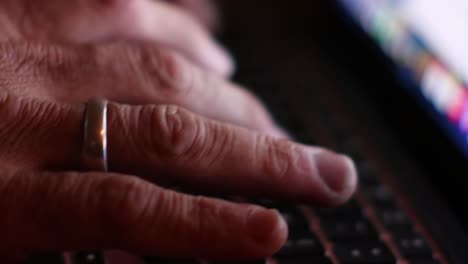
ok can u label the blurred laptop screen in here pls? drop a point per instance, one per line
(428, 41)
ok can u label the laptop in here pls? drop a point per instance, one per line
(384, 81)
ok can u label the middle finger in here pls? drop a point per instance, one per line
(136, 74)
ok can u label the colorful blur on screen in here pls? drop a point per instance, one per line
(429, 40)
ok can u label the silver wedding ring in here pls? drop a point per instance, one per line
(94, 153)
(93, 158)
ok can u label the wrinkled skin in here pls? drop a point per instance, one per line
(175, 121)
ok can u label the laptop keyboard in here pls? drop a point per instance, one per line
(369, 229)
(372, 228)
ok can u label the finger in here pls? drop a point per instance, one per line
(90, 21)
(131, 74)
(168, 25)
(182, 83)
(178, 147)
(189, 150)
(71, 211)
(205, 11)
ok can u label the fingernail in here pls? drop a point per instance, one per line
(337, 171)
(266, 226)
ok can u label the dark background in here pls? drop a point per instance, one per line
(321, 28)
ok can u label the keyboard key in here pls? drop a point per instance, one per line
(157, 260)
(350, 210)
(367, 174)
(346, 230)
(363, 254)
(307, 260)
(394, 218)
(88, 258)
(401, 228)
(413, 246)
(379, 195)
(306, 244)
(297, 222)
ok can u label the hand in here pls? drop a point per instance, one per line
(179, 24)
(48, 206)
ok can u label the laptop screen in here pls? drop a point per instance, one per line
(428, 42)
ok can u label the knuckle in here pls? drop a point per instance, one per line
(144, 206)
(45, 71)
(26, 18)
(168, 135)
(219, 144)
(174, 70)
(279, 157)
(178, 133)
(169, 72)
(30, 14)
(21, 119)
(195, 217)
(135, 199)
(182, 214)
(257, 111)
(124, 202)
(57, 17)
(203, 215)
